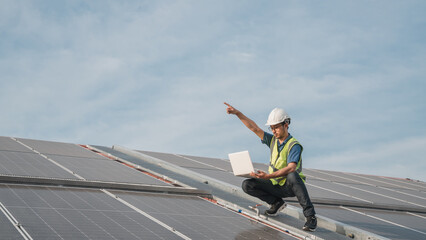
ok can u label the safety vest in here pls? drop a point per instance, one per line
(279, 160)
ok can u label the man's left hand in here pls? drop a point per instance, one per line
(259, 174)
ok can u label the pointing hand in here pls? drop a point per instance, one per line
(231, 109)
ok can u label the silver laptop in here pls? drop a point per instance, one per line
(241, 164)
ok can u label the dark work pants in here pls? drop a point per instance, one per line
(293, 187)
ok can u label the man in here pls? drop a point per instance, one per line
(284, 177)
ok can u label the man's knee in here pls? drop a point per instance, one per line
(293, 177)
(247, 185)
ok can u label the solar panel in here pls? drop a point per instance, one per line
(178, 176)
(418, 193)
(389, 226)
(226, 177)
(416, 185)
(55, 212)
(215, 168)
(388, 195)
(19, 160)
(352, 178)
(48, 213)
(104, 170)
(29, 164)
(320, 175)
(217, 163)
(370, 193)
(8, 144)
(198, 218)
(57, 148)
(70, 213)
(322, 190)
(180, 161)
(321, 184)
(198, 162)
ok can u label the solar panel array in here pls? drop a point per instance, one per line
(389, 207)
(199, 219)
(43, 210)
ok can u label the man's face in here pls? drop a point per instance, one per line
(279, 130)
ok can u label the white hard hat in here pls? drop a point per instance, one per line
(276, 116)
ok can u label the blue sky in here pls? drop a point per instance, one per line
(153, 75)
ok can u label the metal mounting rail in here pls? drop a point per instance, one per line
(15, 223)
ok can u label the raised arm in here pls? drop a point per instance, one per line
(250, 124)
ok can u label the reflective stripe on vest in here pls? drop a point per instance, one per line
(279, 160)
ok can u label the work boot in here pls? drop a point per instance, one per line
(276, 208)
(311, 223)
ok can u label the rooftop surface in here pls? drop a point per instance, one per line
(53, 190)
